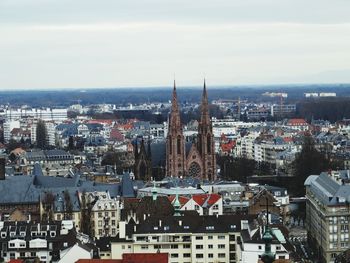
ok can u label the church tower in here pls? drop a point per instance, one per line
(143, 162)
(175, 142)
(206, 140)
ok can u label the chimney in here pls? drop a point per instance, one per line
(160, 223)
(2, 167)
(122, 229)
(180, 223)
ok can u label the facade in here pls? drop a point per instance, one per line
(186, 238)
(327, 213)
(44, 114)
(105, 214)
(31, 240)
(200, 160)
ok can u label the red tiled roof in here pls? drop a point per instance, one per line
(209, 198)
(99, 261)
(145, 258)
(295, 122)
(183, 200)
(16, 261)
(226, 147)
(116, 135)
(101, 121)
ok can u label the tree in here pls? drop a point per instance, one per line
(308, 162)
(68, 211)
(236, 168)
(71, 143)
(86, 207)
(41, 134)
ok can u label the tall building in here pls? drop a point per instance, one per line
(200, 160)
(327, 213)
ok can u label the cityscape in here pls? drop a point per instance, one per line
(229, 144)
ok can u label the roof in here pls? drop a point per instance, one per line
(206, 200)
(296, 122)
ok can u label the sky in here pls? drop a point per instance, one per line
(56, 44)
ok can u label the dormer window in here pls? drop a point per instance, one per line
(52, 234)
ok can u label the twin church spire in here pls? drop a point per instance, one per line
(200, 160)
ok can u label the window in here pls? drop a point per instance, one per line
(99, 214)
(186, 246)
(113, 222)
(210, 246)
(221, 237)
(179, 144)
(210, 255)
(187, 255)
(221, 255)
(157, 246)
(144, 247)
(12, 255)
(199, 255)
(174, 255)
(113, 231)
(22, 254)
(33, 254)
(106, 214)
(221, 246)
(174, 246)
(12, 244)
(199, 246)
(113, 214)
(259, 247)
(210, 237)
(99, 222)
(199, 238)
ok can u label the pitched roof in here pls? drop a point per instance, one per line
(206, 200)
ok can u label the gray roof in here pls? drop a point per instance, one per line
(18, 189)
(328, 190)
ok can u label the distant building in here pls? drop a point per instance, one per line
(47, 114)
(283, 110)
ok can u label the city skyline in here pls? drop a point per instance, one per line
(51, 45)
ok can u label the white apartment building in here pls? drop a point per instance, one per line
(105, 214)
(9, 125)
(187, 239)
(47, 114)
(50, 133)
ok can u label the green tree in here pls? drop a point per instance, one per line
(309, 161)
(41, 134)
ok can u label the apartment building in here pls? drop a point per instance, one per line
(327, 213)
(187, 238)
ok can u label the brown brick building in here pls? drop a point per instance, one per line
(200, 161)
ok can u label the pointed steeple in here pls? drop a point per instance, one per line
(205, 117)
(175, 113)
(142, 147)
(177, 206)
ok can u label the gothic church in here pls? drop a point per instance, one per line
(200, 161)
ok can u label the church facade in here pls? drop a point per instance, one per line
(200, 161)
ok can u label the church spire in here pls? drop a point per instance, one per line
(205, 118)
(175, 113)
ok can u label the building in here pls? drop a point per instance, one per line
(327, 213)
(186, 238)
(200, 161)
(47, 114)
(283, 109)
(35, 240)
(105, 214)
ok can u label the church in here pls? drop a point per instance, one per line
(199, 161)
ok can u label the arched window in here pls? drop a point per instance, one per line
(179, 145)
(208, 144)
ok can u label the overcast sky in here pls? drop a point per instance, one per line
(117, 43)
